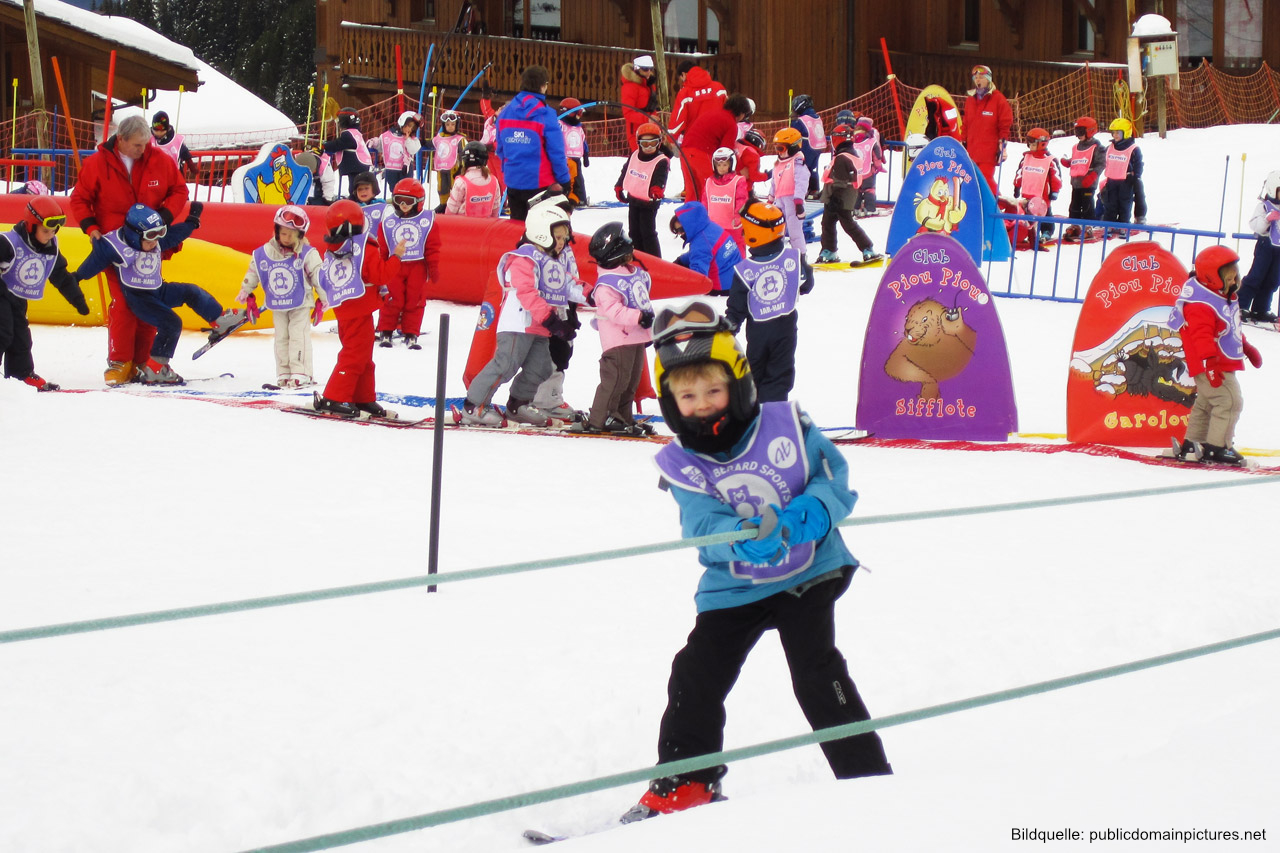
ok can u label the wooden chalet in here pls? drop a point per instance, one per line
(83, 57)
(829, 49)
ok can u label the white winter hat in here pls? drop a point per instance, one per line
(645, 61)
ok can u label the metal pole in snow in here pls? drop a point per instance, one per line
(437, 450)
(1222, 209)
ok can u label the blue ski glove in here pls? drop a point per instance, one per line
(805, 520)
(768, 548)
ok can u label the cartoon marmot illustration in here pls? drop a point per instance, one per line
(937, 344)
(941, 211)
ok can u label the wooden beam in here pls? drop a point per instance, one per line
(1089, 8)
(1014, 15)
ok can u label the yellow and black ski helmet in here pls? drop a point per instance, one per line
(694, 333)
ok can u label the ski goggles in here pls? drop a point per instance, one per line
(686, 320)
(159, 128)
(292, 219)
(980, 71)
(53, 223)
(405, 200)
(155, 233)
(649, 143)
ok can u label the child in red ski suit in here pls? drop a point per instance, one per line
(352, 277)
(1035, 184)
(405, 222)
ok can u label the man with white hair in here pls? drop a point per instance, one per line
(126, 170)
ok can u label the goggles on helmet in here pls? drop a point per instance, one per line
(402, 200)
(53, 223)
(155, 233)
(678, 323)
(293, 219)
(649, 142)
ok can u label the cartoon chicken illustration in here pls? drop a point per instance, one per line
(936, 345)
(277, 191)
(941, 211)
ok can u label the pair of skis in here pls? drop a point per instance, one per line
(876, 261)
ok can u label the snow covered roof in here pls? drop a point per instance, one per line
(221, 113)
(124, 31)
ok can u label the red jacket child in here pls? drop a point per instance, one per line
(352, 278)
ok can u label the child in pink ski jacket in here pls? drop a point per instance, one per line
(725, 194)
(475, 192)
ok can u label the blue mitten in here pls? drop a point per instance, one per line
(768, 548)
(805, 520)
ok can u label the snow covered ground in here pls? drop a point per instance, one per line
(237, 731)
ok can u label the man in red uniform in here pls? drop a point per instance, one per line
(712, 129)
(698, 94)
(126, 170)
(987, 120)
(639, 85)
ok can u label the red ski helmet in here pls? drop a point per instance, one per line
(569, 104)
(1209, 265)
(43, 210)
(344, 219)
(1037, 138)
(1088, 125)
(409, 191)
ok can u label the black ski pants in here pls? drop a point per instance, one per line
(642, 223)
(771, 352)
(15, 336)
(834, 212)
(705, 670)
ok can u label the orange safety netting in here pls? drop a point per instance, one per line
(1205, 97)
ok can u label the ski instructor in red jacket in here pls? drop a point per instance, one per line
(126, 170)
(987, 121)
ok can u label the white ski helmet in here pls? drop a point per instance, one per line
(725, 155)
(408, 116)
(540, 222)
(1271, 186)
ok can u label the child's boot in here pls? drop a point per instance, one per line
(384, 340)
(41, 384)
(374, 410)
(157, 371)
(324, 404)
(411, 341)
(827, 257)
(869, 255)
(118, 372)
(228, 321)
(1222, 455)
(673, 794)
(524, 412)
(474, 414)
(550, 398)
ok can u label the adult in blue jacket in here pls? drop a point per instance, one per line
(531, 143)
(711, 250)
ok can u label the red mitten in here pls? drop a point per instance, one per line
(799, 207)
(657, 193)
(317, 311)
(251, 308)
(618, 192)
(1251, 353)
(1213, 370)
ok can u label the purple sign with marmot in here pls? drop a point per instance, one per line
(934, 361)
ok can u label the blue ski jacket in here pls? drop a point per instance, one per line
(712, 250)
(531, 144)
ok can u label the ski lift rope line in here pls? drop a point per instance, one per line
(687, 765)
(181, 613)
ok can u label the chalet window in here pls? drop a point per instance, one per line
(690, 26)
(1239, 28)
(964, 26)
(1077, 29)
(542, 18)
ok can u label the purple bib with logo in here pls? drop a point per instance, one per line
(773, 285)
(29, 269)
(283, 281)
(412, 231)
(1231, 341)
(772, 469)
(139, 270)
(552, 274)
(340, 274)
(633, 287)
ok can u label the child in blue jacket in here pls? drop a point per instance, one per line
(711, 249)
(788, 577)
(135, 249)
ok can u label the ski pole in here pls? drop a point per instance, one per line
(1240, 208)
(311, 97)
(182, 88)
(13, 143)
(431, 155)
(1222, 209)
(469, 85)
(426, 69)
(324, 111)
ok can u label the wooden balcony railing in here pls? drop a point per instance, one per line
(586, 72)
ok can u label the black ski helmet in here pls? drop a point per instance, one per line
(847, 116)
(348, 118)
(610, 245)
(475, 154)
(364, 179)
(801, 103)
